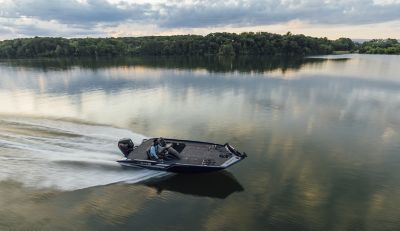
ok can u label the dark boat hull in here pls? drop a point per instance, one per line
(176, 168)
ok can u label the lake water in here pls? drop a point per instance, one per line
(322, 135)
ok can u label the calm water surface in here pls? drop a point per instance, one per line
(322, 135)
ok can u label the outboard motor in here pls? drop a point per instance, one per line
(126, 146)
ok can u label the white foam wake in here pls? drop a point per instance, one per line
(67, 155)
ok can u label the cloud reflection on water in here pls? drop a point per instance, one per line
(323, 137)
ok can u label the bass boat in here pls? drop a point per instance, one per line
(179, 156)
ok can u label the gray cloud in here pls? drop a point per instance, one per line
(4, 30)
(93, 15)
(73, 12)
(205, 13)
(31, 30)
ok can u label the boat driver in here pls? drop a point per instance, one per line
(161, 150)
(154, 150)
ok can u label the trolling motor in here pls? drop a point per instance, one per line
(234, 151)
(126, 146)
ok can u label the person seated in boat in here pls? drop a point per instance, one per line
(154, 150)
(167, 150)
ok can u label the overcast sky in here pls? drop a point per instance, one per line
(106, 18)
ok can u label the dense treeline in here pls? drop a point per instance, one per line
(230, 44)
(380, 46)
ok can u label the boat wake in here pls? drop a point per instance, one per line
(63, 154)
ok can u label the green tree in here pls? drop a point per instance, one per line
(226, 50)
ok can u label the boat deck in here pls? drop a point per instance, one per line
(194, 153)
